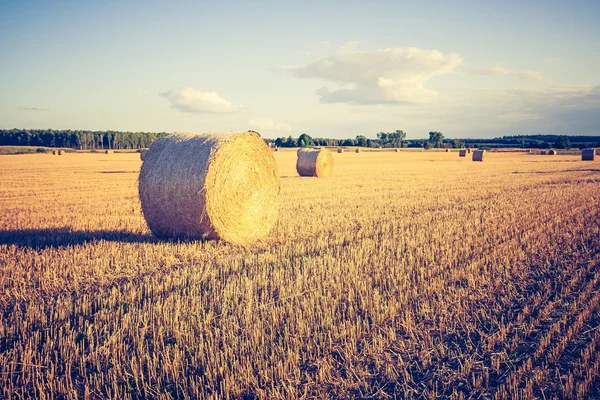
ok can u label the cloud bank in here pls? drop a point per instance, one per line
(501, 69)
(187, 99)
(382, 76)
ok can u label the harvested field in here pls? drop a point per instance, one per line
(386, 279)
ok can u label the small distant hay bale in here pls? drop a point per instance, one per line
(53, 152)
(528, 151)
(447, 150)
(478, 155)
(275, 148)
(397, 150)
(543, 152)
(210, 186)
(340, 150)
(314, 162)
(552, 152)
(469, 151)
(60, 152)
(108, 151)
(357, 151)
(588, 154)
(143, 154)
(462, 153)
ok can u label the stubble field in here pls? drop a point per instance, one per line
(402, 275)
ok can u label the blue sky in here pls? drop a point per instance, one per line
(330, 69)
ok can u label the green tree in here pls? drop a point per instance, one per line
(436, 139)
(562, 142)
(457, 144)
(305, 141)
(362, 141)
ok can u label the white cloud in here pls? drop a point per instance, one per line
(501, 69)
(381, 76)
(268, 124)
(187, 99)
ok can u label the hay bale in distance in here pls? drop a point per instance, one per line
(143, 154)
(552, 152)
(108, 151)
(340, 150)
(543, 152)
(588, 154)
(357, 151)
(469, 151)
(60, 152)
(447, 150)
(397, 150)
(462, 153)
(478, 155)
(53, 152)
(210, 186)
(314, 162)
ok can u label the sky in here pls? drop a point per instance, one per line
(469, 69)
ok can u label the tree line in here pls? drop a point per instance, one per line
(94, 140)
(78, 139)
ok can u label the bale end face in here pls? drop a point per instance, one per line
(462, 153)
(357, 150)
(210, 186)
(552, 152)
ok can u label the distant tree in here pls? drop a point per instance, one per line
(457, 144)
(348, 142)
(436, 139)
(361, 141)
(428, 145)
(562, 142)
(305, 141)
(290, 142)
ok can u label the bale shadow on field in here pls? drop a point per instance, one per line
(57, 237)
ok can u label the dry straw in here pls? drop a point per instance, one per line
(588, 154)
(210, 186)
(314, 162)
(478, 155)
(462, 153)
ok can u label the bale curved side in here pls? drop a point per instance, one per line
(210, 186)
(314, 162)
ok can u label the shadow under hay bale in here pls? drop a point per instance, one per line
(588, 154)
(210, 186)
(314, 162)
(478, 155)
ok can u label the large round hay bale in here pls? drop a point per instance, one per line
(462, 153)
(552, 152)
(469, 151)
(314, 162)
(478, 155)
(210, 186)
(588, 154)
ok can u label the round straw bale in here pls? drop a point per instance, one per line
(60, 152)
(462, 153)
(108, 151)
(447, 150)
(314, 162)
(588, 154)
(396, 150)
(478, 155)
(469, 151)
(210, 186)
(340, 150)
(357, 150)
(552, 152)
(53, 152)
